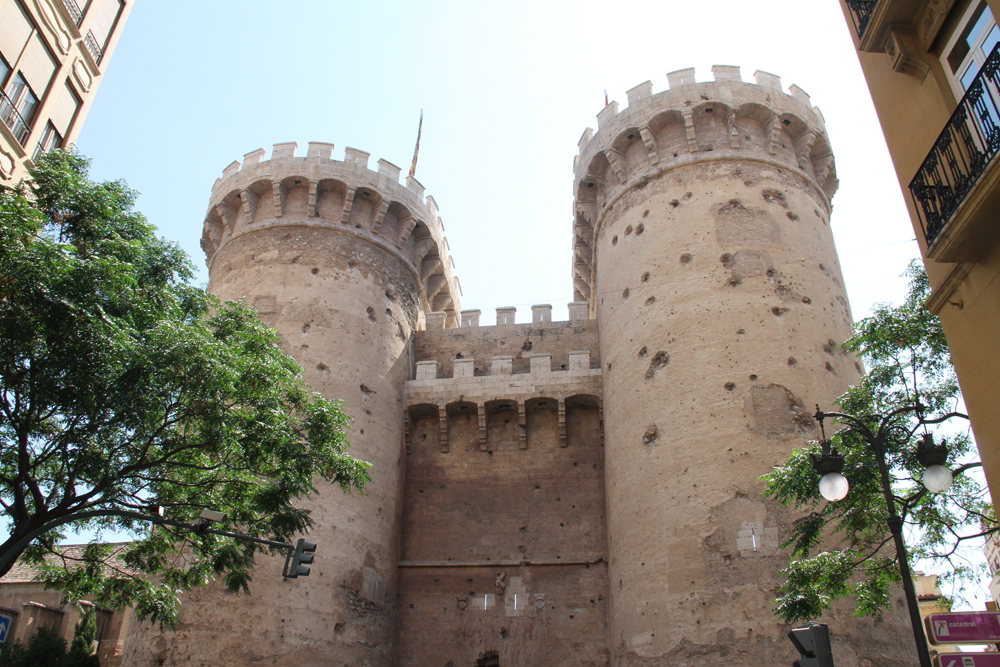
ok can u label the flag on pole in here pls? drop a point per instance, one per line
(605, 97)
(416, 149)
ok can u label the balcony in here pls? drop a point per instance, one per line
(93, 47)
(956, 192)
(13, 119)
(74, 11)
(861, 13)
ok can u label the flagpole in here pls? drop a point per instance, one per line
(416, 149)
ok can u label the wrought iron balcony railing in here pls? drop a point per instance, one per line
(861, 12)
(74, 11)
(962, 152)
(93, 47)
(13, 119)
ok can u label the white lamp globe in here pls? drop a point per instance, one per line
(937, 479)
(833, 486)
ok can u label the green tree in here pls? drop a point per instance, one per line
(45, 648)
(122, 386)
(844, 548)
(80, 650)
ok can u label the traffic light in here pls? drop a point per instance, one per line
(300, 560)
(813, 643)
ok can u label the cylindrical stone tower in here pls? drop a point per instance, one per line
(344, 262)
(703, 246)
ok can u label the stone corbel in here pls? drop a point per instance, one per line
(278, 194)
(734, 134)
(617, 161)
(522, 430)
(228, 215)
(692, 138)
(443, 428)
(562, 423)
(345, 216)
(904, 54)
(250, 201)
(775, 138)
(481, 413)
(805, 151)
(405, 229)
(929, 23)
(313, 196)
(649, 139)
(380, 216)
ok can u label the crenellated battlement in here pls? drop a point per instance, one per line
(342, 195)
(692, 123)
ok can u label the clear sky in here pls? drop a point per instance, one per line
(507, 89)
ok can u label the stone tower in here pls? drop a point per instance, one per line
(702, 245)
(344, 262)
(570, 494)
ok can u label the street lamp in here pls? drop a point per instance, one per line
(937, 478)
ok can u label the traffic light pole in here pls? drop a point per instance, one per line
(11, 554)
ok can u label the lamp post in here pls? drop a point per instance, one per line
(937, 478)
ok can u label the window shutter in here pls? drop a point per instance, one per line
(106, 11)
(37, 66)
(15, 28)
(64, 110)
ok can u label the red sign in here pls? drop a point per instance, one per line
(969, 660)
(964, 627)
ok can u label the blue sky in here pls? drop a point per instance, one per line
(507, 90)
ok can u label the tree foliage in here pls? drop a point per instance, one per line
(844, 548)
(122, 386)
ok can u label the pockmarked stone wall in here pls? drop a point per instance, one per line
(344, 262)
(702, 242)
(504, 546)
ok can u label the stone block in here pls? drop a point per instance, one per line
(680, 77)
(436, 320)
(605, 115)
(585, 138)
(502, 364)
(767, 80)
(354, 156)
(233, 168)
(541, 363)
(506, 315)
(389, 170)
(320, 149)
(726, 73)
(253, 157)
(464, 368)
(414, 186)
(283, 150)
(470, 318)
(638, 93)
(579, 310)
(800, 95)
(541, 313)
(579, 360)
(427, 370)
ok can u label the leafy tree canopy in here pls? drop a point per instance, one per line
(905, 350)
(122, 387)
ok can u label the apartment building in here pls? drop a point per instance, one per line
(933, 69)
(53, 54)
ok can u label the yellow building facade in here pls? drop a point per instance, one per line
(53, 54)
(934, 76)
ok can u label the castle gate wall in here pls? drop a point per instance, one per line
(504, 548)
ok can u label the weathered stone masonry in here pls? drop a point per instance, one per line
(551, 493)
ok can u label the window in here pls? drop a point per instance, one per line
(18, 106)
(50, 139)
(966, 51)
